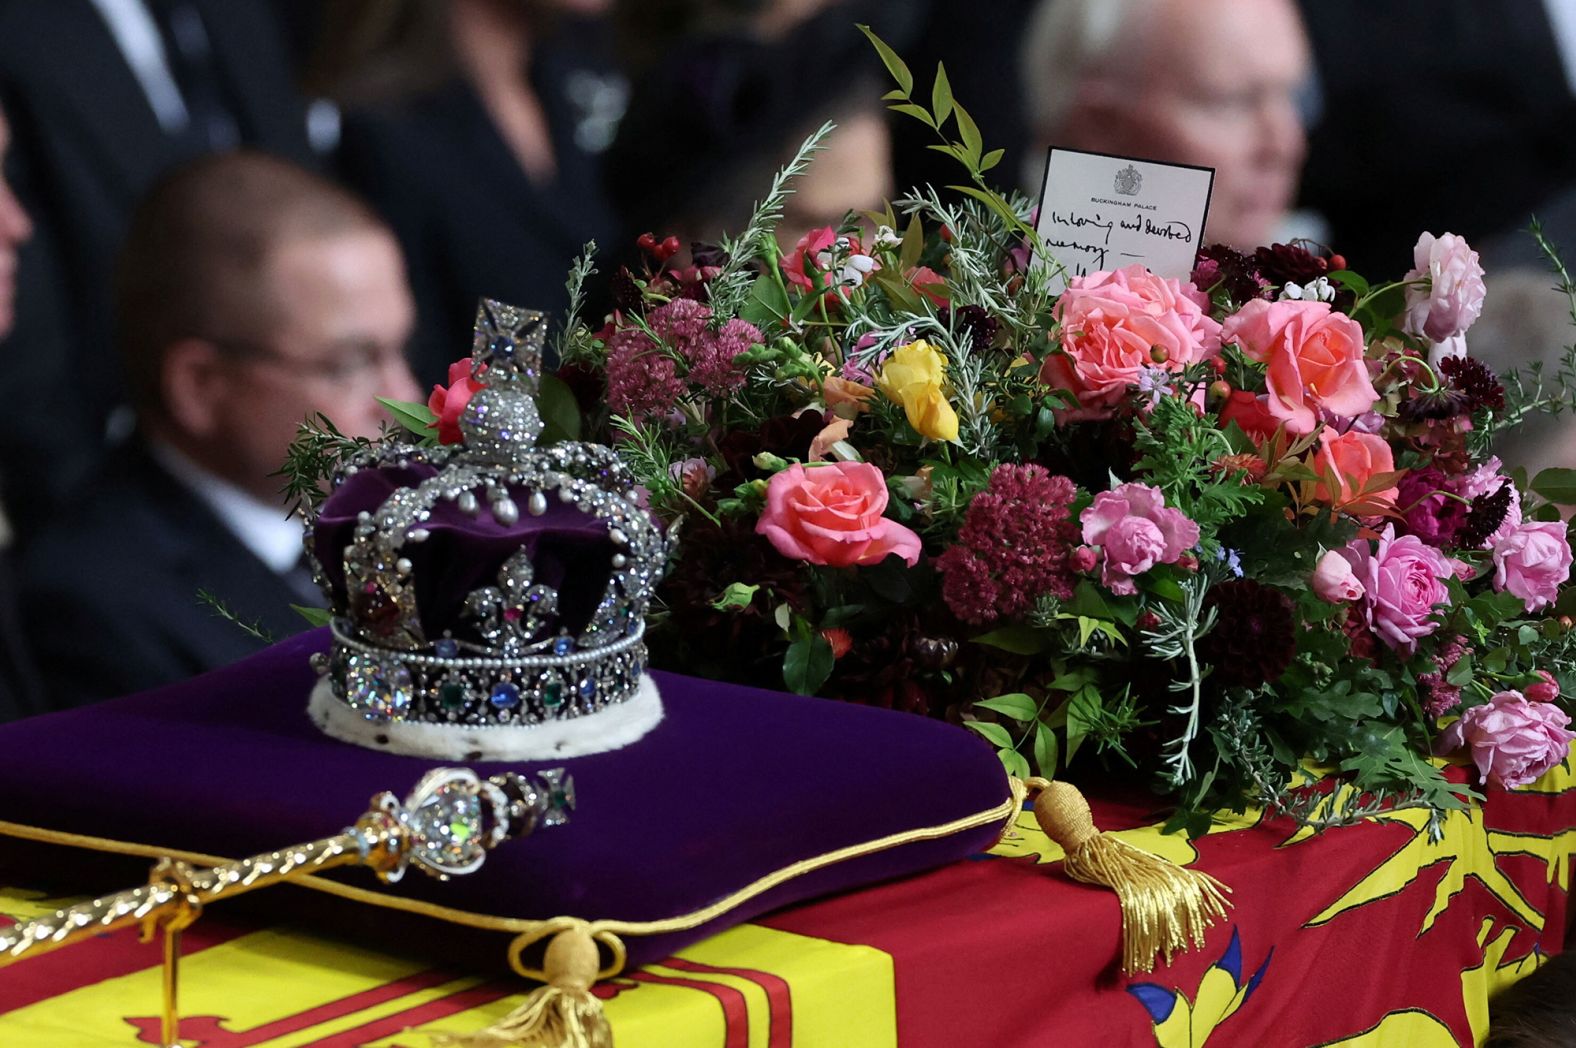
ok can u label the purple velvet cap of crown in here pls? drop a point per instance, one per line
(569, 549)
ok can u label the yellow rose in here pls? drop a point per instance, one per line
(913, 376)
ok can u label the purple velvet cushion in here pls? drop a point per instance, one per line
(734, 784)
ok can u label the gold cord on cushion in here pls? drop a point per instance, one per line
(1165, 907)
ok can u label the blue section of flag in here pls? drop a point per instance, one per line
(1158, 1001)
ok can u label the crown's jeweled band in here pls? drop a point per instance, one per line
(384, 685)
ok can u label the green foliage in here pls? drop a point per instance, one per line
(318, 452)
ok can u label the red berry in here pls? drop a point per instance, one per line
(1219, 391)
(1158, 354)
(647, 243)
(1337, 262)
(667, 249)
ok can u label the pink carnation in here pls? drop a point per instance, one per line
(1533, 561)
(1136, 530)
(1403, 580)
(1512, 741)
(832, 514)
(1111, 326)
(1452, 297)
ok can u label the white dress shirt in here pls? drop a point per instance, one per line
(262, 527)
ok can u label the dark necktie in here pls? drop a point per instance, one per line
(213, 125)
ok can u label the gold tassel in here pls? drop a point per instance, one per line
(562, 1014)
(1165, 907)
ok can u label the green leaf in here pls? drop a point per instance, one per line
(889, 58)
(971, 135)
(894, 94)
(737, 595)
(941, 95)
(767, 304)
(1346, 278)
(1045, 750)
(807, 664)
(417, 418)
(991, 159)
(559, 409)
(1557, 485)
(1013, 761)
(990, 200)
(1020, 640)
(1016, 705)
(314, 616)
(1526, 634)
(1164, 586)
(917, 112)
(1082, 712)
(993, 733)
(913, 244)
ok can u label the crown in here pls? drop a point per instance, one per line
(488, 598)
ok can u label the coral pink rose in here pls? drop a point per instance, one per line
(1111, 326)
(1453, 297)
(1333, 579)
(1403, 580)
(1353, 459)
(1248, 411)
(1533, 562)
(1135, 530)
(1512, 741)
(831, 515)
(448, 403)
(1313, 358)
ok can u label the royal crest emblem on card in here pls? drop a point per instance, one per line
(1129, 181)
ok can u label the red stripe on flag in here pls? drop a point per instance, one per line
(735, 1011)
(779, 996)
(107, 956)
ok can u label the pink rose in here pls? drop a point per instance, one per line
(1533, 562)
(448, 403)
(831, 515)
(1512, 741)
(1135, 530)
(1352, 460)
(1333, 579)
(1403, 580)
(1111, 326)
(1452, 297)
(1313, 358)
(1247, 409)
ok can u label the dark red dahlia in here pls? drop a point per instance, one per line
(977, 327)
(1230, 270)
(1472, 379)
(1486, 515)
(1280, 263)
(1254, 637)
(1013, 546)
(626, 292)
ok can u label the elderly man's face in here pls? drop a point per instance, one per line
(14, 230)
(1213, 82)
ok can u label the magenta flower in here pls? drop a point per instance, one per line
(1136, 530)
(1512, 741)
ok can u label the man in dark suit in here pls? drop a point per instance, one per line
(103, 97)
(18, 680)
(251, 295)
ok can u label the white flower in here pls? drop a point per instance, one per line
(1317, 290)
(852, 274)
(886, 237)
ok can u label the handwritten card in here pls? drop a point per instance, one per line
(1099, 211)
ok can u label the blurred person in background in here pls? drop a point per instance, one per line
(103, 97)
(728, 104)
(1213, 83)
(18, 681)
(251, 295)
(1439, 114)
(476, 127)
